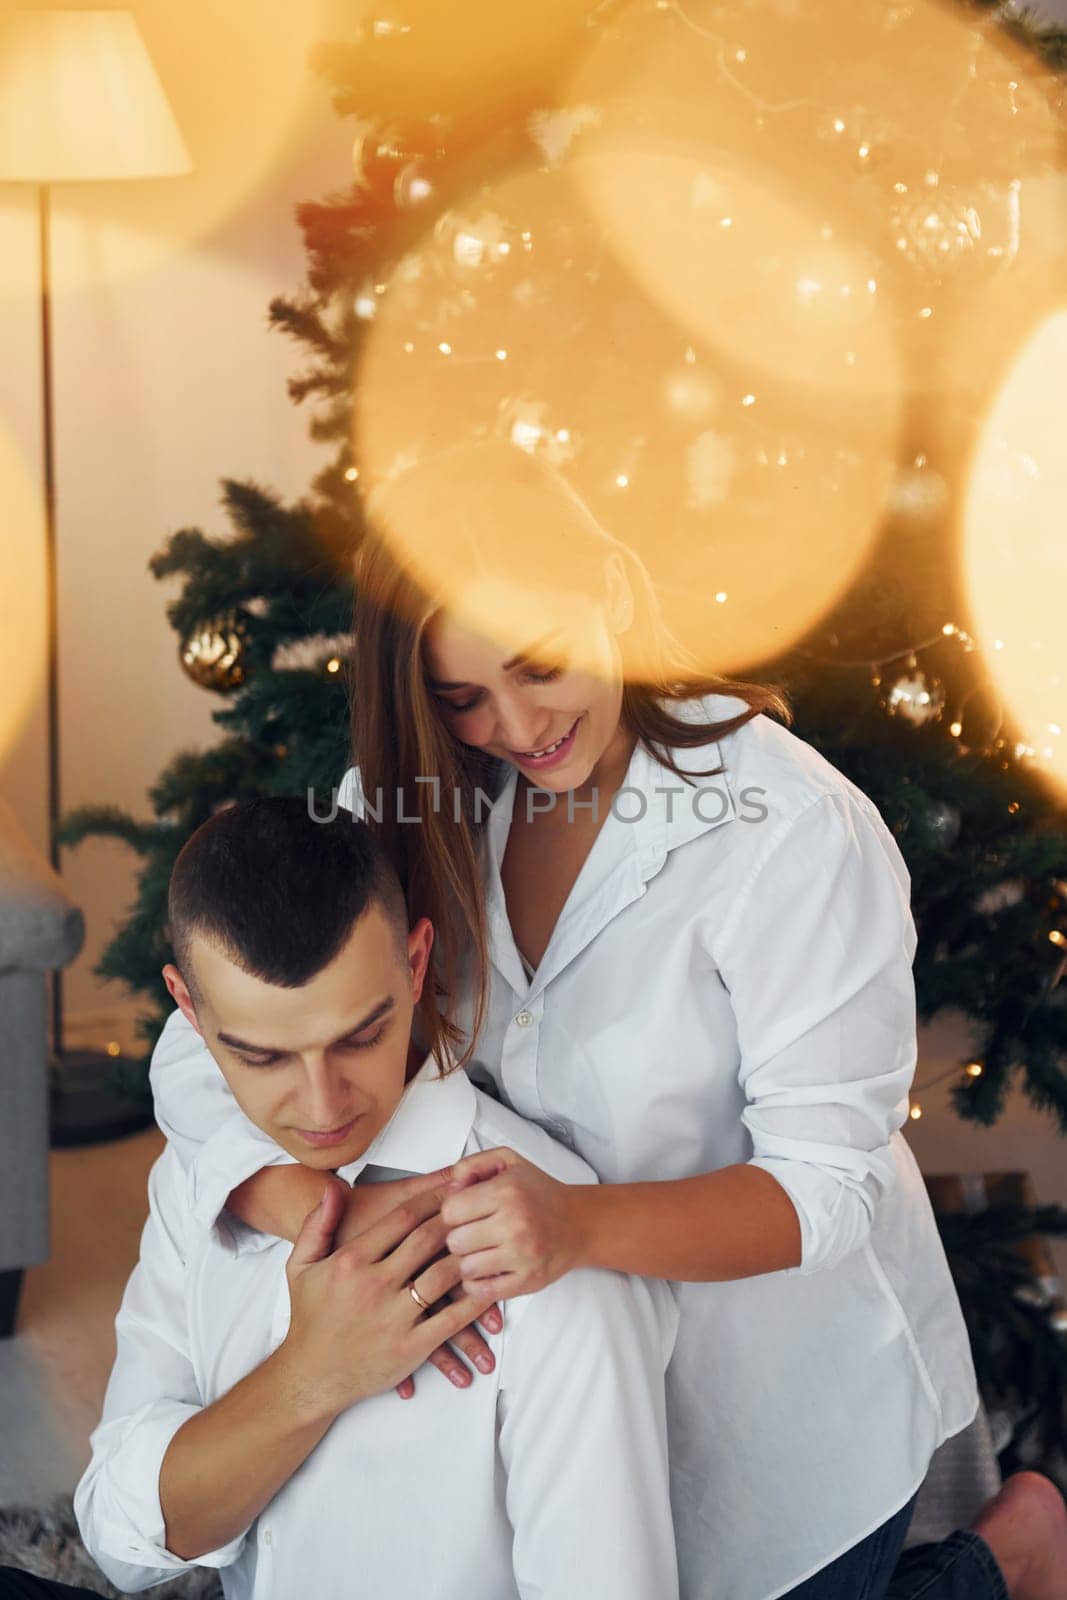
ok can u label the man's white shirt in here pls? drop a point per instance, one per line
(547, 1478)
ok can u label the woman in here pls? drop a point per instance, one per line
(695, 968)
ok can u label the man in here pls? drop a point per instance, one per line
(250, 1421)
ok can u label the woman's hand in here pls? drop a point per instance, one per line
(368, 1203)
(513, 1227)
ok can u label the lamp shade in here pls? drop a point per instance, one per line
(80, 99)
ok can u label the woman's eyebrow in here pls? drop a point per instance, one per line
(523, 655)
(439, 683)
(378, 1011)
(532, 649)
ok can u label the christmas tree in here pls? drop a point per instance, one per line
(536, 245)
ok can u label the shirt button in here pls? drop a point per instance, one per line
(524, 1019)
(266, 1536)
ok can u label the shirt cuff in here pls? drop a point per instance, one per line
(235, 1151)
(123, 1523)
(834, 1213)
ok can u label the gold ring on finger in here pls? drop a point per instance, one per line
(417, 1297)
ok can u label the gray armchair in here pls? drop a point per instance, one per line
(40, 930)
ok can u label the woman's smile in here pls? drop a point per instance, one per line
(550, 756)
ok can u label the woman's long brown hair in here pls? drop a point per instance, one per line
(459, 501)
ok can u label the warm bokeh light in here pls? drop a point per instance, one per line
(410, 59)
(23, 595)
(715, 285)
(1015, 544)
(742, 267)
(510, 319)
(238, 79)
(802, 183)
(250, 86)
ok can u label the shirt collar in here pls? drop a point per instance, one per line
(658, 810)
(651, 813)
(429, 1128)
(680, 809)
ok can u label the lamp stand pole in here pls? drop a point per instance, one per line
(86, 1106)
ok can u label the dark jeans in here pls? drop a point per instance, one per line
(960, 1567)
(16, 1585)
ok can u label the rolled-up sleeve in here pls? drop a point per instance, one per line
(817, 954)
(204, 1125)
(152, 1392)
(189, 1094)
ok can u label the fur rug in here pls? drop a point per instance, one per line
(47, 1543)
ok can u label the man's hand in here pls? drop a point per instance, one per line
(366, 1204)
(512, 1228)
(355, 1328)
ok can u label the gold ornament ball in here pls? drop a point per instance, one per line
(913, 697)
(214, 657)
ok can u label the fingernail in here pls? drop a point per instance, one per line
(484, 1363)
(494, 1322)
(461, 1379)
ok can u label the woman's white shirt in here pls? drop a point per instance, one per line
(730, 981)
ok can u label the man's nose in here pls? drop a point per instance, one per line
(328, 1097)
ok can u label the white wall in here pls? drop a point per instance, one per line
(166, 379)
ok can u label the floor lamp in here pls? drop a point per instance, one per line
(80, 101)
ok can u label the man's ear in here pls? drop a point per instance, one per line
(420, 943)
(179, 993)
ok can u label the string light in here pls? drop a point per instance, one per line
(1023, 751)
(970, 1069)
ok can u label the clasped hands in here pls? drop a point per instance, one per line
(507, 1229)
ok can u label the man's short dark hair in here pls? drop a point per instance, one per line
(278, 891)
